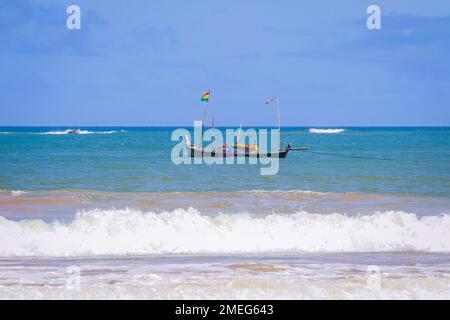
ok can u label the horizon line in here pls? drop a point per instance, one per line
(226, 126)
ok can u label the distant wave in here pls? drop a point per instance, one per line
(70, 131)
(132, 232)
(313, 130)
(17, 192)
(67, 132)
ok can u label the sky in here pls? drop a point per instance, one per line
(146, 63)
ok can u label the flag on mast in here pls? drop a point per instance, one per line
(269, 101)
(205, 96)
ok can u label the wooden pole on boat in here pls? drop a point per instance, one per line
(204, 118)
(278, 115)
(239, 133)
(278, 122)
(204, 114)
(203, 123)
(278, 112)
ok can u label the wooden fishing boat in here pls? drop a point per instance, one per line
(197, 151)
(239, 149)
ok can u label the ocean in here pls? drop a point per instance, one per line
(105, 214)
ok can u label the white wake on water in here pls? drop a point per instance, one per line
(132, 232)
(313, 130)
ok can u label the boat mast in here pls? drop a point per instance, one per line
(278, 115)
(239, 134)
(278, 122)
(204, 114)
(278, 112)
(204, 118)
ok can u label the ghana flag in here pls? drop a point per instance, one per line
(205, 96)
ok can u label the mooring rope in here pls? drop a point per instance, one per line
(347, 156)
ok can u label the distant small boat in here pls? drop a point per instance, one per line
(76, 131)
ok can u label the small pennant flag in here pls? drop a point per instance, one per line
(269, 101)
(205, 96)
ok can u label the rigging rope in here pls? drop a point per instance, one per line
(348, 156)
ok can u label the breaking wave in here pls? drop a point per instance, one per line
(70, 131)
(132, 232)
(17, 192)
(313, 130)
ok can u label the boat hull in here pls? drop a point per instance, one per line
(195, 152)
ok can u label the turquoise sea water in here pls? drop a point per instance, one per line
(138, 159)
(336, 222)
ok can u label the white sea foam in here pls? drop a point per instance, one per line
(69, 131)
(232, 286)
(313, 130)
(66, 132)
(17, 192)
(262, 191)
(131, 232)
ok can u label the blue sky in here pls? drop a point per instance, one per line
(146, 63)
